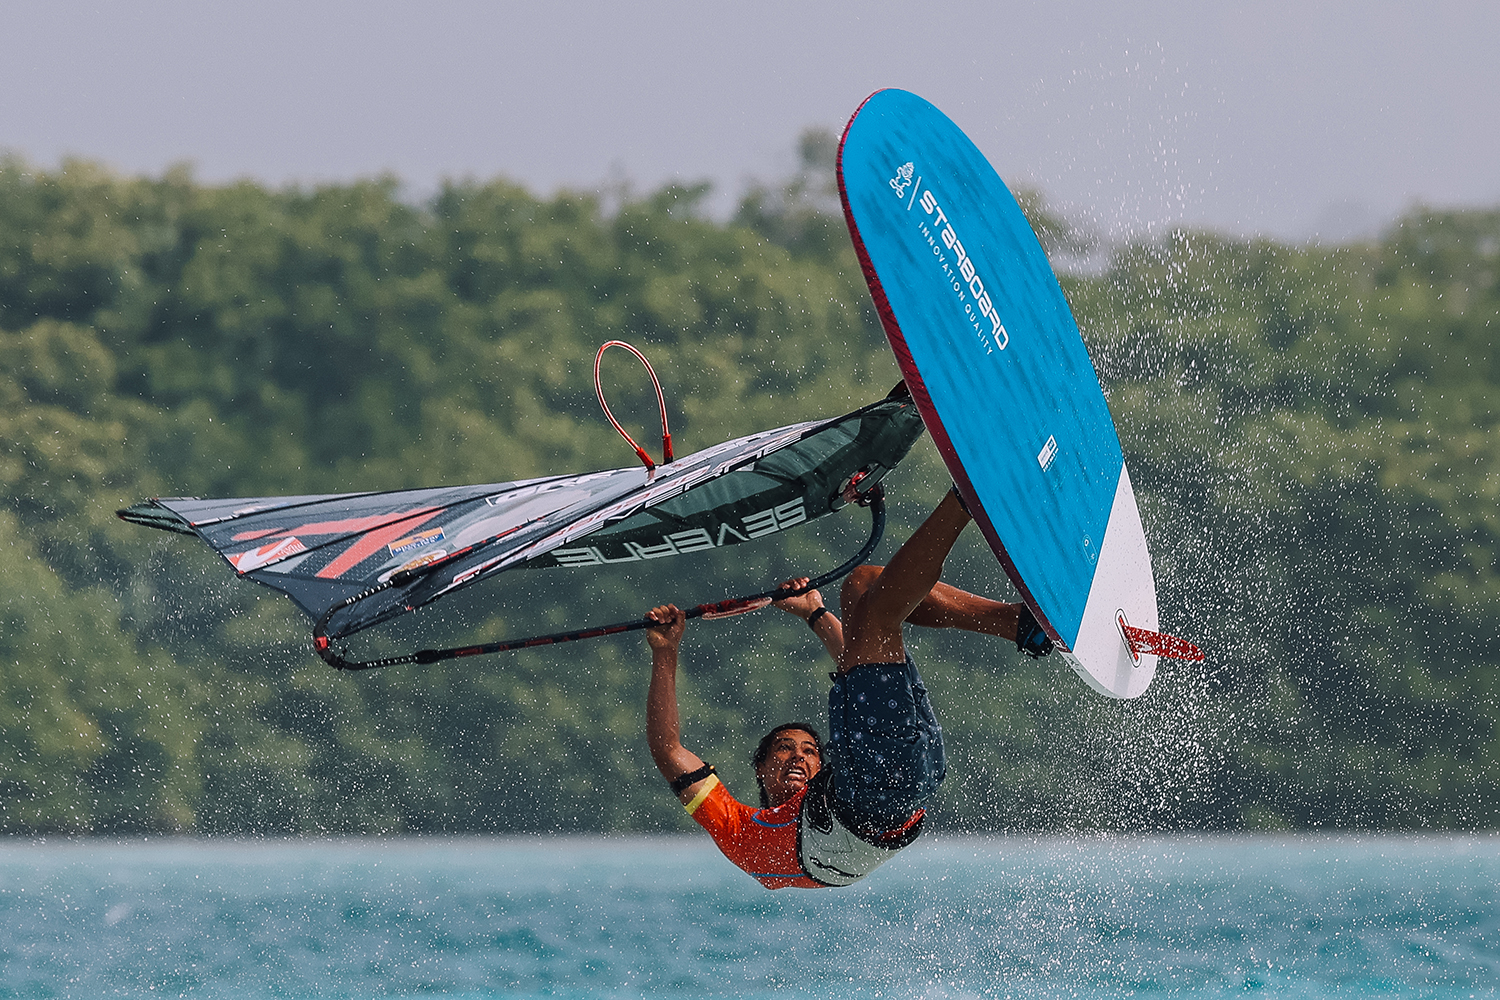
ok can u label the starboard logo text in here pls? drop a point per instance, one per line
(968, 275)
(966, 268)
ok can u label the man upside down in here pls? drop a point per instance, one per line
(830, 815)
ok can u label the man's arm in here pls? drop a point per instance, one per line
(663, 734)
(827, 626)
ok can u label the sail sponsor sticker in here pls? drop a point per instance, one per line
(282, 548)
(426, 558)
(422, 539)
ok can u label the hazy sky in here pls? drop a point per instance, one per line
(1287, 117)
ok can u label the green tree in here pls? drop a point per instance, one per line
(1311, 432)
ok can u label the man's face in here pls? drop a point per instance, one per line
(793, 761)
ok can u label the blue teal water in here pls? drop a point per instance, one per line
(632, 917)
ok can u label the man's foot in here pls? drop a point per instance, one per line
(1030, 639)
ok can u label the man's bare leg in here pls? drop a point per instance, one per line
(872, 626)
(945, 606)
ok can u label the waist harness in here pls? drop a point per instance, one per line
(827, 846)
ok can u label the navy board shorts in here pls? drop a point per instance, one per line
(885, 747)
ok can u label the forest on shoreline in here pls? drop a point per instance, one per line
(1311, 431)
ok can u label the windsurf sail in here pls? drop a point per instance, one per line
(355, 560)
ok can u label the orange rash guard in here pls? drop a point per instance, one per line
(761, 842)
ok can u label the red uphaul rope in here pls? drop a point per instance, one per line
(661, 402)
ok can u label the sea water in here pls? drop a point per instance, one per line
(667, 917)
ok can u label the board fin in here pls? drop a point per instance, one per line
(1142, 641)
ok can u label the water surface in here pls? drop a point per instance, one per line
(667, 917)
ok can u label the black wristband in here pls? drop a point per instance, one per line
(812, 618)
(683, 782)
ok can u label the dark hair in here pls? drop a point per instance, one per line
(763, 751)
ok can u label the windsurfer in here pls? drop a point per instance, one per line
(830, 822)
